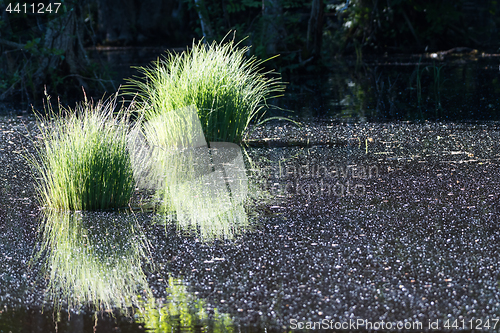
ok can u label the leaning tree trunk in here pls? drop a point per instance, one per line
(62, 50)
(64, 35)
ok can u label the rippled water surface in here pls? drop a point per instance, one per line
(393, 222)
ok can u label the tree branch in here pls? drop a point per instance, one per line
(13, 45)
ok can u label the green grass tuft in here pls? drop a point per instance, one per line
(228, 89)
(84, 163)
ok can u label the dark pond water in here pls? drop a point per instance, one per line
(357, 220)
(367, 223)
(407, 88)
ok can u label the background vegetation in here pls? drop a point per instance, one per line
(51, 49)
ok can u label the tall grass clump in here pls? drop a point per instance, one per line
(83, 162)
(227, 88)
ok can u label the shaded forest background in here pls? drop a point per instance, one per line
(49, 50)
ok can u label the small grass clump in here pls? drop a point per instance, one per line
(228, 89)
(83, 162)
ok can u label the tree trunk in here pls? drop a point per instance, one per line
(206, 28)
(116, 20)
(274, 31)
(61, 53)
(64, 35)
(315, 28)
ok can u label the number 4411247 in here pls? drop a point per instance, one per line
(34, 8)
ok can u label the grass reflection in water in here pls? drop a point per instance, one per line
(195, 186)
(182, 311)
(94, 259)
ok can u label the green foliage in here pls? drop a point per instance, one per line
(228, 89)
(291, 34)
(83, 162)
